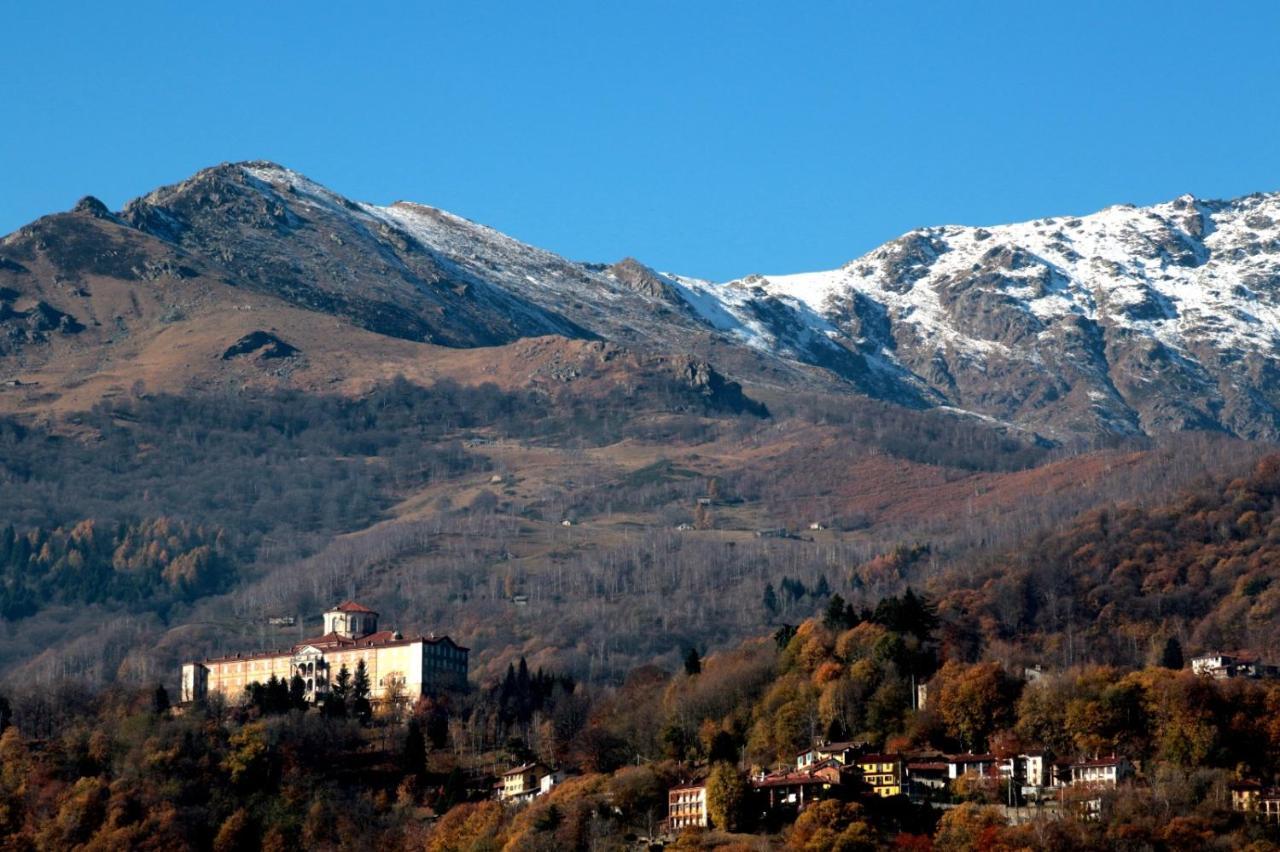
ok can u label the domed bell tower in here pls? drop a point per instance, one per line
(350, 620)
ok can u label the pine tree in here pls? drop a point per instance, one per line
(413, 757)
(159, 701)
(297, 693)
(1171, 656)
(770, 600)
(692, 662)
(360, 693)
(335, 704)
(839, 615)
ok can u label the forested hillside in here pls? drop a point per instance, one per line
(121, 768)
(1114, 586)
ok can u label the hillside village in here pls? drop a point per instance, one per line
(720, 787)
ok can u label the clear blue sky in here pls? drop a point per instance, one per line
(713, 139)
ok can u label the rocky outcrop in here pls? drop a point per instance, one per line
(264, 344)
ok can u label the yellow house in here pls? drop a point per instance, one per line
(881, 772)
(402, 666)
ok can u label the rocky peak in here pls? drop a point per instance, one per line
(634, 275)
(93, 207)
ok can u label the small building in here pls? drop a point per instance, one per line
(550, 780)
(926, 777)
(789, 792)
(1100, 772)
(970, 764)
(1032, 771)
(1245, 796)
(881, 772)
(1225, 666)
(523, 783)
(843, 753)
(687, 806)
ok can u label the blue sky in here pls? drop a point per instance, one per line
(712, 139)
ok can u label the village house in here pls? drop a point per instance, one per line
(1251, 797)
(687, 806)
(1100, 772)
(526, 782)
(881, 772)
(398, 666)
(970, 764)
(1031, 772)
(1225, 666)
(787, 793)
(842, 752)
(926, 776)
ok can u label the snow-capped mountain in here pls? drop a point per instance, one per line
(1131, 320)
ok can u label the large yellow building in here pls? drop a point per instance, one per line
(408, 666)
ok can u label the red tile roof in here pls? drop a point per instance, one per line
(352, 606)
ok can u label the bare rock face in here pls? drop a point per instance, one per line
(263, 344)
(636, 276)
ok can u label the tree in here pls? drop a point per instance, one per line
(974, 700)
(6, 713)
(1171, 654)
(839, 615)
(692, 662)
(968, 827)
(832, 824)
(413, 755)
(297, 693)
(336, 703)
(726, 797)
(360, 693)
(159, 703)
(770, 600)
(236, 833)
(724, 749)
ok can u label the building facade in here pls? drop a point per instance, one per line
(881, 772)
(687, 806)
(397, 665)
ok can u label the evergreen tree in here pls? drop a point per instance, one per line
(770, 600)
(839, 615)
(692, 662)
(159, 701)
(335, 704)
(413, 757)
(360, 694)
(724, 749)
(297, 693)
(1171, 655)
(6, 713)
(823, 588)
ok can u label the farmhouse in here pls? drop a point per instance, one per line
(397, 665)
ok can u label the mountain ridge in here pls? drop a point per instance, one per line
(1129, 321)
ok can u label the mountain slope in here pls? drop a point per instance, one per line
(1130, 321)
